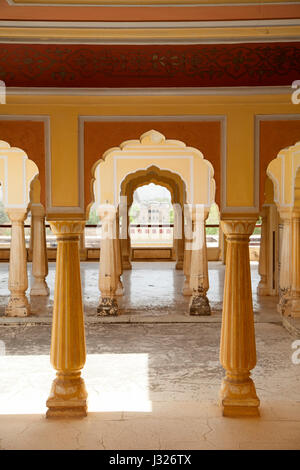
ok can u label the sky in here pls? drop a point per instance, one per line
(151, 192)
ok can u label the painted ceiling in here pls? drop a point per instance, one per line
(208, 65)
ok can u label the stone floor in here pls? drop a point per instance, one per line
(153, 294)
(152, 384)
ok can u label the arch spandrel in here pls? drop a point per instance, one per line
(16, 173)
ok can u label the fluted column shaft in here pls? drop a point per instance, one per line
(68, 397)
(108, 264)
(119, 269)
(262, 288)
(179, 236)
(39, 251)
(237, 350)
(188, 233)
(199, 282)
(285, 278)
(18, 305)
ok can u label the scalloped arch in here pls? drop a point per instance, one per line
(154, 141)
(16, 174)
(284, 173)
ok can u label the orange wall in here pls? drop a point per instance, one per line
(28, 136)
(137, 13)
(274, 136)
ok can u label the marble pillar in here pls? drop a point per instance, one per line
(68, 396)
(285, 278)
(39, 251)
(237, 350)
(263, 288)
(187, 290)
(18, 305)
(199, 282)
(125, 240)
(179, 236)
(108, 263)
(295, 287)
(119, 269)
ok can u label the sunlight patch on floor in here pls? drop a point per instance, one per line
(115, 382)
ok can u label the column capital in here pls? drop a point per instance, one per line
(17, 214)
(67, 228)
(107, 211)
(37, 209)
(240, 227)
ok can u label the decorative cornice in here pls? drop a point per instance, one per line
(157, 91)
(149, 32)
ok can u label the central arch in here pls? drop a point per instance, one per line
(166, 178)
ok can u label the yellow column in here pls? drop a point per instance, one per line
(237, 351)
(199, 282)
(39, 251)
(107, 268)
(295, 292)
(18, 305)
(68, 397)
(263, 288)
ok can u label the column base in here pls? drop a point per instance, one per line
(199, 305)
(68, 397)
(18, 307)
(239, 398)
(40, 288)
(108, 307)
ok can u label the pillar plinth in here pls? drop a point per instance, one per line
(108, 282)
(237, 350)
(68, 396)
(39, 251)
(18, 305)
(199, 283)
